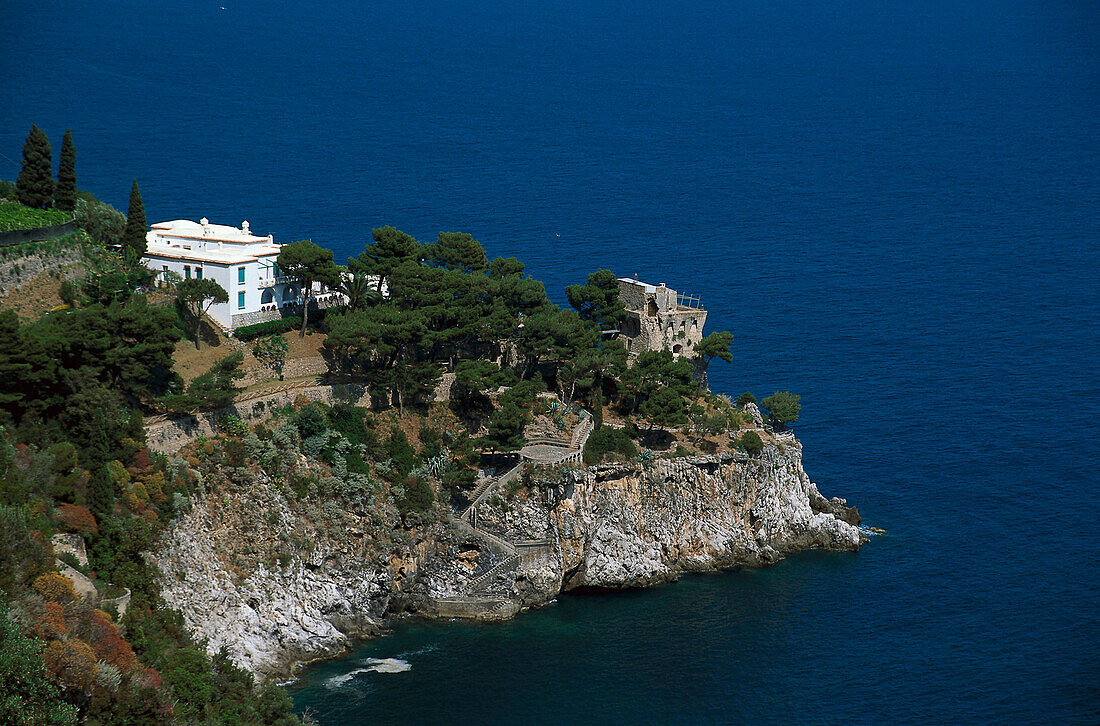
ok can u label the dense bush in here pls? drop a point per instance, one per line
(23, 555)
(418, 496)
(607, 441)
(271, 327)
(75, 518)
(311, 421)
(54, 587)
(750, 442)
(27, 695)
(783, 407)
(745, 398)
(102, 222)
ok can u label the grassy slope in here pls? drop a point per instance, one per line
(14, 215)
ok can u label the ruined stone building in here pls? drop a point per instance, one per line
(659, 318)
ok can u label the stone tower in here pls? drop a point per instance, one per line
(659, 318)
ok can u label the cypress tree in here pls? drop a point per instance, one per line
(34, 187)
(133, 236)
(64, 198)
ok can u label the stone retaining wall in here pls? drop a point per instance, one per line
(17, 270)
(38, 234)
(472, 608)
(294, 368)
(166, 436)
(259, 316)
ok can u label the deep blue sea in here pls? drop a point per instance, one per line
(894, 205)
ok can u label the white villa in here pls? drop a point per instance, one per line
(244, 264)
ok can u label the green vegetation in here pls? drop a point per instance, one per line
(64, 197)
(28, 697)
(75, 384)
(598, 301)
(103, 223)
(134, 234)
(196, 296)
(271, 351)
(308, 263)
(750, 442)
(715, 345)
(14, 215)
(783, 407)
(745, 398)
(609, 442)
(34, 186)
(213, 389)
(271, 327)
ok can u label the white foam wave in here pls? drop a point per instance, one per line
(387, 665)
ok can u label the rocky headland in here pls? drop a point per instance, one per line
(278, 580)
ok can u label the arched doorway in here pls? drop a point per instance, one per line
(651, 309)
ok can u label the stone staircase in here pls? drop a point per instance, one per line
(486, 487)
(481, 583)
(476, 593)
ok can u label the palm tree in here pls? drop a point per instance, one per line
(359, 291)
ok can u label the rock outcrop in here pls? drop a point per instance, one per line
(277, 583)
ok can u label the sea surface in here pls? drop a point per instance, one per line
(892, 204)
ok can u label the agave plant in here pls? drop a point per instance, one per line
(645, 457)
(436, 465)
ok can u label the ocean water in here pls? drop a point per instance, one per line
(893, 206)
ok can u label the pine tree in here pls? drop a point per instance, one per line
(64, 197)
(133, 237)
(34, 187)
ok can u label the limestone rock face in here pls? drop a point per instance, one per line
(627, 526)
(347, 574)
(333, 580)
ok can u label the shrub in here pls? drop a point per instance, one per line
(51, 624)
(750, 442)
(234, 426)
(67, 292)
(54, 587)
(783, 407)
(418, 496)
(311, 421)
(101, 222)
(271, 327)
(236, 453)
(75, 518)
(22, 553)
(27, 695)
(745, 398)
(606, 441)
(72, 662)
(109, 645)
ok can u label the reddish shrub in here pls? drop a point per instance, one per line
(109, 644)
(147, 678)
(52, 622)
(75, 518)
(142, 464)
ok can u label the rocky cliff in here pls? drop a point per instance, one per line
(279, 580)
